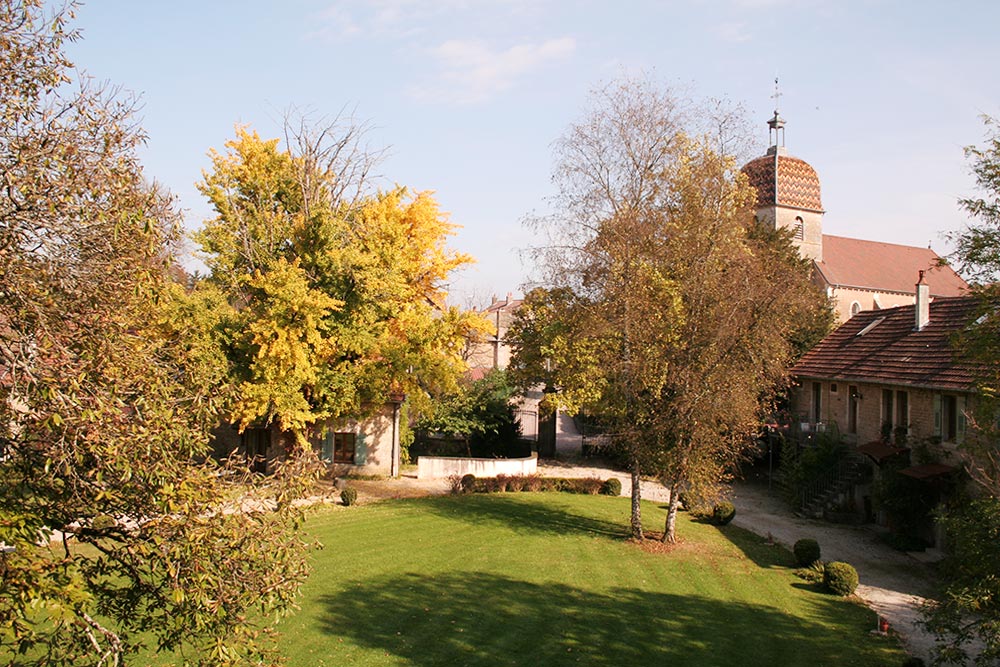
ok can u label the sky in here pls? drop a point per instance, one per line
(468, 96)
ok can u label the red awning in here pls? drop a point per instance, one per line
(928, 471)
(879, 451)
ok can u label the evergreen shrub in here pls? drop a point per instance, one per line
(806, 551)
(349, 496)
(840, 578)
(723, 513)
(612, 486)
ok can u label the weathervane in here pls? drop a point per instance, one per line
(777, 124)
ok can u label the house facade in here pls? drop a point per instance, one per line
(368, 446)
(890, 375)
(890, 385)
(857, 275)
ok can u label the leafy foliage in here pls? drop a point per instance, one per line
(970, 605)
(110, 377)
(338, 299)
(480, 413)
(665, 310)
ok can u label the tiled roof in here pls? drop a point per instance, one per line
(891, 352)
(784, 180)
(885, 267)
(509, 304)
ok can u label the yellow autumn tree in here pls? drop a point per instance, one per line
(339, 300)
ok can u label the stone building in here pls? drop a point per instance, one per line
(891, 375)
(857, 275)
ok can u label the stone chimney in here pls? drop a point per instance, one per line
(510, 297)
(922, 306)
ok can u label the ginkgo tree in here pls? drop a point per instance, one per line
(337, 291)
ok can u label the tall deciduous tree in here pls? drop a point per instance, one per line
(108, 382)
(338, 288)
(969, 608)
(667, 312)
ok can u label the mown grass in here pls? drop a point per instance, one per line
(549, 579)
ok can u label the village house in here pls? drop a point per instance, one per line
(890, 375)
(856, 275)
(368, 446)
(890, 385)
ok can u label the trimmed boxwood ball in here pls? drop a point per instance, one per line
(612, 486)
(806, 551)
(468, 483)
(723, 513)
(349, 496)
(840, 578)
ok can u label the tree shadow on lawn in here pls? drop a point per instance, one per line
(752, 545)
(471, 618)
(523, 513)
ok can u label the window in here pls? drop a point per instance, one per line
(800, 228)
(339, 447)
(833, 388)
(902, 411)
(887, 412)
(855, 308)
(949, 417)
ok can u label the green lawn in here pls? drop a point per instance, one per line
(548, 579)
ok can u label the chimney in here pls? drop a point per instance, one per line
(510, 295)
(922, 307)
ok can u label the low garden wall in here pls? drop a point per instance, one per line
(439, 467)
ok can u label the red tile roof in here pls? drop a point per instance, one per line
(784, 180)
(885, 267)
(891, 352)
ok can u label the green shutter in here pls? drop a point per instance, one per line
(327, 453)
(361, 450)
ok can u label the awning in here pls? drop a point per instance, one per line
(879, 451)
(928, 471)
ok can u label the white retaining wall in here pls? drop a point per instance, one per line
(439, 467)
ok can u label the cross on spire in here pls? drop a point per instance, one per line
(776, 96)
(777, 124)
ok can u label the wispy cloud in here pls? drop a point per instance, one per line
(395, 18)
(470, 71)
(732, 31)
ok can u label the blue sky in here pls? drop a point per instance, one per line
(880, 97)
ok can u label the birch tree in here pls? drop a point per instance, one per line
(666, 312)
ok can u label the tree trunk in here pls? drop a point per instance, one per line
(636, 521)
(670, 526)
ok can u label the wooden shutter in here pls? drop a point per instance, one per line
(361, 450)
(327, 453)
(937, 415)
